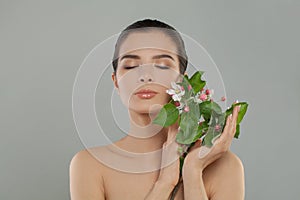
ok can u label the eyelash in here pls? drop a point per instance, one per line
(158, 66)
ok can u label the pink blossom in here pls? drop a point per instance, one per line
(217, 127)
(189, 87)
(176, 91)
(223, 98)
(203, 97)
(186, 109)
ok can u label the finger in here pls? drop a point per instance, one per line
(234, 120)
(229, 130)
(226, 132)
(172, 131)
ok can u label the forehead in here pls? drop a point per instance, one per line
(148, 42)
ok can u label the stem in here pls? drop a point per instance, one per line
(174, 191)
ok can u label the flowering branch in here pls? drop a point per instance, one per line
(198, 114)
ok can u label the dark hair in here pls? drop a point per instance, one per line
(148, 25)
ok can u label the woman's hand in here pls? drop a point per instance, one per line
(199, 157)
(169, 172)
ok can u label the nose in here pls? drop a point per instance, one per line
(146, 74)
(146, 79)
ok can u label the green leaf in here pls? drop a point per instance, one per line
(208, 137)
(196, 82)
(209, 109)
(193, 108)
(205, 110)
(237, 132)
(201, 128)
(221, 118)
(216, 108)
(211, 135)
(242, 112)
(188, 128)
(167, 115)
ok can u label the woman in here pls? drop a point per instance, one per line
(149, 55)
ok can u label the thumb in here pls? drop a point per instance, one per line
(172, 131)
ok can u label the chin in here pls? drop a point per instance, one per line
(144, 106)
(149, 106)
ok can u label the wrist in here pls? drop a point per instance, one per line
(191, 164)
(190, 173)
(160, 190)
(190, 180)
(164, 186)
(167, 180)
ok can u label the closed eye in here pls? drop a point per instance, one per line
(129, 67)
(162, 67)
(158, 66)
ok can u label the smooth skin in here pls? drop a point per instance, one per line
(218, 175)
(228, 180)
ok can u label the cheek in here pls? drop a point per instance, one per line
(165, 77)
(127, 86)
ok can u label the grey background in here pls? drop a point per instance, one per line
(255, 44)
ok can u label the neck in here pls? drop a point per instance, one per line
(143, 136)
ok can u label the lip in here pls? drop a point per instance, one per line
(146, 93)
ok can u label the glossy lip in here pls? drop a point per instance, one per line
(145, 91)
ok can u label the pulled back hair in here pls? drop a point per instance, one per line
(148, 25)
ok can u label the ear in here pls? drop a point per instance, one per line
(114, 79)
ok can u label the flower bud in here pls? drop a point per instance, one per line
(203, 97)
(186, 109)
(177, 103)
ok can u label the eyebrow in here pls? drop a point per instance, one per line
(154, 57)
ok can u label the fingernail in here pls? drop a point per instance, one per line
(236, 101)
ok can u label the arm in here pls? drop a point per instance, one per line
(194, 186)
(227, 180)
(160, 191)
(169, 172)
(85, 180)
(227, 173)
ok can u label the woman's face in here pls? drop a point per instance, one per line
(147, 65)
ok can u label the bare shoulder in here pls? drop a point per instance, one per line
(229, 162)
(86, 161)
(79, 157)
(85, 177)
(226, 177)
